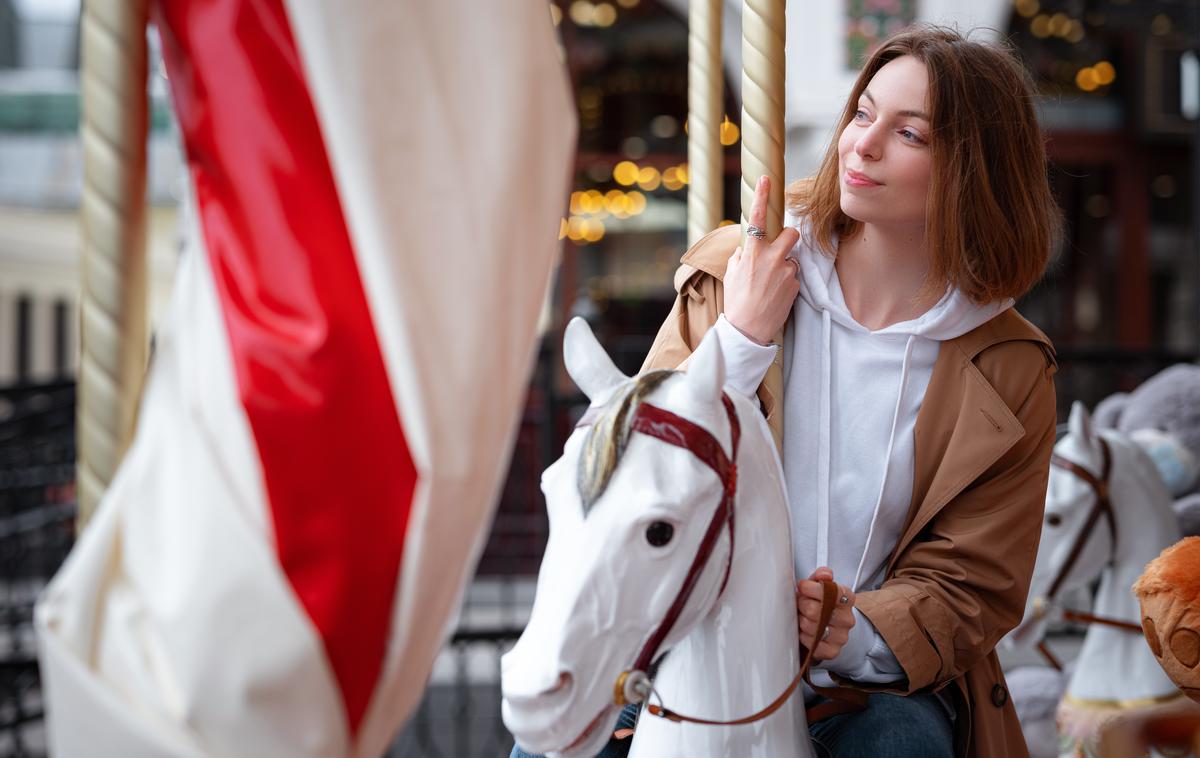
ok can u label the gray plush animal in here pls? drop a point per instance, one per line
(1163, 415)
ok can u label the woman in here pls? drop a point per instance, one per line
(919, 408)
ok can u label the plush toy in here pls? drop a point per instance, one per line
(1163, 416)
(1169, 594)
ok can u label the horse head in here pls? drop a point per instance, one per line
(1106, 507)
(628, 513)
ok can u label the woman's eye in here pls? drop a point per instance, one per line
(860, 114)
(659, 533)
(911, 136)
(1053, 519)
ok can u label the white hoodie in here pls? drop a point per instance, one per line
(851, 398)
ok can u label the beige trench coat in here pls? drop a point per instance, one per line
(958, 578)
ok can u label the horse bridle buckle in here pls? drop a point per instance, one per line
(632, 687)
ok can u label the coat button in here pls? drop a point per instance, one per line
(999, 696)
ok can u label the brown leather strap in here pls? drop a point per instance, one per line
(1102, 507)
(838, 700)
(1086, 618)
(1089, 618)
(828, 604)
(841, 700)
(1044, 649)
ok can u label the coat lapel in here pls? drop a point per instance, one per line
(964, 426)
(984, 431)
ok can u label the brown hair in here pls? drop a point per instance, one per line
(990, 220)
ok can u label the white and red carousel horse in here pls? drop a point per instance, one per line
(668, 530)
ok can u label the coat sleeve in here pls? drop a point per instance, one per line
(961, 586)
(698, 304)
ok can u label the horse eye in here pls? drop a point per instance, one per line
(1053, 519)
(659, 533)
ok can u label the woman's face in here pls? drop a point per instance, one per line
(883, 153)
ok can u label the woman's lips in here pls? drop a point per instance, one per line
(855, 179)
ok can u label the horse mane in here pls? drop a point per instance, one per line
(609, 435)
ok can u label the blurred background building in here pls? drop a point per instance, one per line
(1119, 96)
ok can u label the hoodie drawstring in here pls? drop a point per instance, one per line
(823, 462)
(887, 459)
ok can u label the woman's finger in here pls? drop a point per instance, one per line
(842, 619)
(815, 590)
(837, 619)
(758, 214)
(809, 608)
(782, 247)
(822, 573)
(758, 209)
(826, 651)
(808, 627)
(735, 262)
(808, 588)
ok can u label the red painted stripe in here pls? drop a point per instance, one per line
(338, 472)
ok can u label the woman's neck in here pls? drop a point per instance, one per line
(883, 275)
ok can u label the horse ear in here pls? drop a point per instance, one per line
(1083, 430)
(706, 368)
(587, 364)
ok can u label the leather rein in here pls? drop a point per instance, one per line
(1101, 509)
(634, 685)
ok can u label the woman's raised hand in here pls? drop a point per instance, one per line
(762, 281)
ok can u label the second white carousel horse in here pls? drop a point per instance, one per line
(1108, 514)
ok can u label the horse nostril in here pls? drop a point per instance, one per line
(563, 683)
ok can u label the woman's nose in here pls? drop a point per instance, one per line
(867, 146)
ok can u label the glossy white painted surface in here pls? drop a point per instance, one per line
(1112, 664)
(603, 589)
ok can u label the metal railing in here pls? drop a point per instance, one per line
(460, 717)
(37, 515)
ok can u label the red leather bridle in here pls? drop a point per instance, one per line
(633, 685)
(1102, 508)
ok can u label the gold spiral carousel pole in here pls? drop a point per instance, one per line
(763, 37)
(705, 94)
(113, 331)
(763, 33)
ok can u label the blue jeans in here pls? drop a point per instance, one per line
(614, 748)
(916, 726)
(892, 726)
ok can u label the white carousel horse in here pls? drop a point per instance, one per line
(632, 513)
(1108, 514)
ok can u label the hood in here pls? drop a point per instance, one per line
(953, 316)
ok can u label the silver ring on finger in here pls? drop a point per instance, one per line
(757, 232)
(825, 634)
(843, 600)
